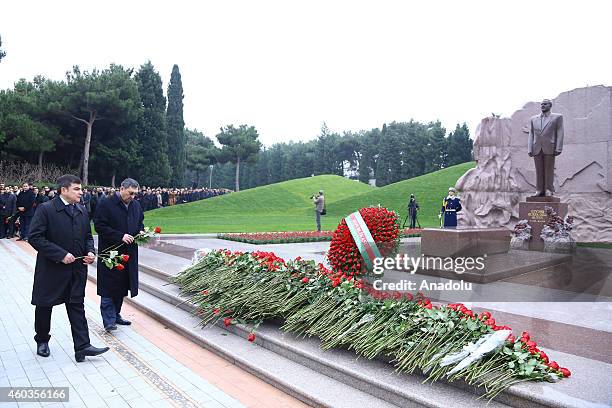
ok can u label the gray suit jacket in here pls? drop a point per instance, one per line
(545, 134)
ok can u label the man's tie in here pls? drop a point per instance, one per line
(70, 209)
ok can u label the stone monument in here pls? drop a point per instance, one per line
(505, 174)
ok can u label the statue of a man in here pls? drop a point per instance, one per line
(544, 143)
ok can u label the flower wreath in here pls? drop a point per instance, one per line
(344, 256)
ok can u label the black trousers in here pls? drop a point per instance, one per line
(78, 324)
(3, 226)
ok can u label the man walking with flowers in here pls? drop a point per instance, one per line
(118, 220)
(61, 233)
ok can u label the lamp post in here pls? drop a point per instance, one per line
(210, 168)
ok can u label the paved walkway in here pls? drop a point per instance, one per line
(148, 365)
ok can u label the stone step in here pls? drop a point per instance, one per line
(374, 378)
(377, 378)
(285, 374)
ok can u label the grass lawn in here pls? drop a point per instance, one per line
(287, 206)
(603, 245)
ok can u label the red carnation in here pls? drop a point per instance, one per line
(525, 335)
(485, 315)
(251, 337)
(216, 311)
(531, 344)
(566, 373)
(511, 338)
(120, 267)
(227, 321)
(125, 258)
(157, 230)
(553, 365)
(204, 292)
(543, 356)
(304, 279)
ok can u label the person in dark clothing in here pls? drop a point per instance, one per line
(5, 211)
(61, 233)
(165, 197)
(25, 208)
(451, 205)
(118, 219)
(86, 201)
(40, 197)
(8, 213)
(413, 208)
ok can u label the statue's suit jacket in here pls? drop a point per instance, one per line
(545, 134)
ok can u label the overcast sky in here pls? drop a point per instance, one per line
(287, 66)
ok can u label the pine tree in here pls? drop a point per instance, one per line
(240, 144)
(459, 145)
(2, 53)
(176, 125)
(436, 150)
(153, 134)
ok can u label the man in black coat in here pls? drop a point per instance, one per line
(25, 207)
(7, 212)
(118, 219)
(61, 233)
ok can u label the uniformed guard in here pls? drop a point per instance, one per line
(451, 205)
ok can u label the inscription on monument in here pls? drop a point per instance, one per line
(536, 216)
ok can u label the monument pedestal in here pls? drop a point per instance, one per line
(464, 241)
(534, 212)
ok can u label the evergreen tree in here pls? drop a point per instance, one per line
(176, 125)
(2, 53)
(152, 129)
(436, 151)
(201, 153)
(24, 126)
(88, 97)
(459, 145)
(239, 145)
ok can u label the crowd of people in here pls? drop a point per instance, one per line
(18, 205)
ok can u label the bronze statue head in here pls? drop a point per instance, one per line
(546, 105)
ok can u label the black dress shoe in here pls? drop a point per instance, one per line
(122, 321)
(110, 328)
(43, 349)
(89, 351)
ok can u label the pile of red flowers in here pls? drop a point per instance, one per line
(278, 237)
(269, 260)
(344, 256)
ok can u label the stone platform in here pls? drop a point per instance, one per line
(463, 241)
(501, 266)
(499, 263)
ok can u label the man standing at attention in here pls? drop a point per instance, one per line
(25, 208)
(61, 233)
(117, 220)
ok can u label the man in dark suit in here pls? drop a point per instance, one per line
(61, 233)
(544, 143)
(7, 212)
(25, 207)
(118, 219)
